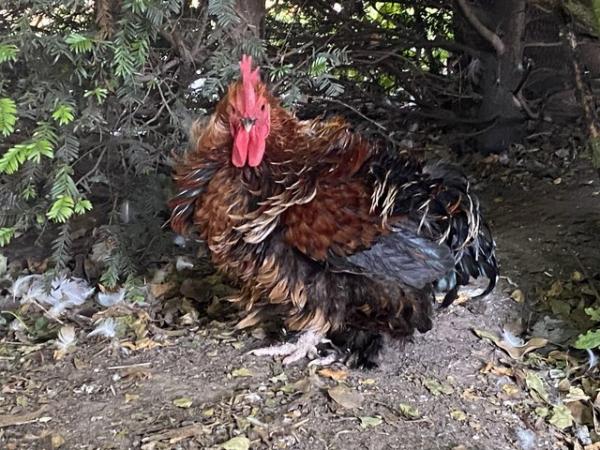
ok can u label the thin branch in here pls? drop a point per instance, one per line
(484, 31)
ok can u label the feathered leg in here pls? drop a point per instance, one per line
(304, 347)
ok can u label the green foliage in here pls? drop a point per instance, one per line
(90, 115)
(82, 206)
(63, 114)
(99, 93)
(62, 209)
(79, 43)
(586, 12)
(8, 52)
(94, 96)
(591, 339)
(6, 235)
(61, 246)
(224, 12)
(594, 313)
(8, 116)
(588, 341)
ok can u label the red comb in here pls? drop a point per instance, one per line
(250, 79)
(248, 75)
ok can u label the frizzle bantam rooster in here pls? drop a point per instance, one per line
(328, 235)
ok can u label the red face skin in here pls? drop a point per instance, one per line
(249, 118)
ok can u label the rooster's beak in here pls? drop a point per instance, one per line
(248, 123)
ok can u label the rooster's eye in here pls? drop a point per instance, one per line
(262, 108)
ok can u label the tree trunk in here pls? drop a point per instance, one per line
(252, 13)
(496, 27)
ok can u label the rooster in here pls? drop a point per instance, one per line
(330, 236)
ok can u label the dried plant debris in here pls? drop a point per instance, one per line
(515, 347)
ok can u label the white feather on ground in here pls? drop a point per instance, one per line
(63, 293)
(66, 338)
(108, 299)
(105, 328)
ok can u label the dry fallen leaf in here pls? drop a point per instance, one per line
(183, 402)
(535, 384)
(370, 422)
(162, 290)
(437, 388)
(497, 370)
(470, 394)
(241, 372)
(515, 352)
(561, 417)
(577, 276)
(141, 344)
(518, 296)
(337, 375)
(510, 389)
(344, 397)
(409, 411)
(236, 443)
(131, 397)
(56, 440)
(458, 415)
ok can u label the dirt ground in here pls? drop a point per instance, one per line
(199, 389)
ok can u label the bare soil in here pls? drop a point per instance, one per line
(101, 397)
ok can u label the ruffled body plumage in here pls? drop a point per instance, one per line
(331, 233)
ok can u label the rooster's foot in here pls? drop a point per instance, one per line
(306, 346)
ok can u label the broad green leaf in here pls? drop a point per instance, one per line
(586, 341)
(594, 313)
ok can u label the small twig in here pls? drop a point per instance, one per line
(9, 420)
(93, 169)
(128, 366)
(34, 302)
(352, 108)
(383, 131)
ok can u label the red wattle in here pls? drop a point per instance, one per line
(256, 149)
(240, 148)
